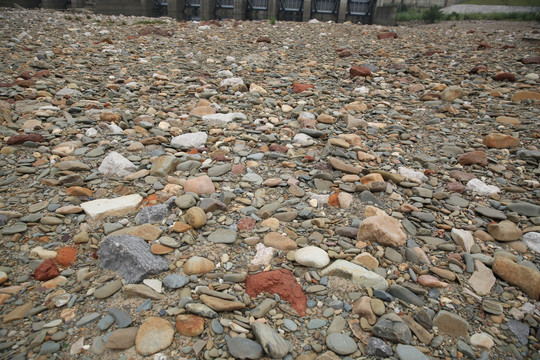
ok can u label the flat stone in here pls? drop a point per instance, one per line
(490, 212)
(188, 141)
(108, 289)
(218, 304)
(146, 232)
(273, 344)
(359, 275)
(18, 313)
(525, 278)
(279, 241)
(451, 324)
(392, 328)
(525, 209)
(504, 231)
(384, 230)
(341, 344)
(405, 294)
(155, 334)
(242, 348)
(482, 280)
(174, 281)
(122, 339)
(312, 256)
(189, 325)
(408, 352)
(223, 236)
(112, 207)
(198, 265)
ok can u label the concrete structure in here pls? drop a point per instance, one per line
(28, 4)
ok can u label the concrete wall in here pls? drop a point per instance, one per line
(419, 3)
(27, 4)
(125, 7)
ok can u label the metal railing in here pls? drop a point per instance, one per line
(257, 5)
(325, 6)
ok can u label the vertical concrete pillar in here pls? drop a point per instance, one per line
(175, 9)
(207, 9)
(239, 11)
(342, 11)
(273, 8)
(306, 16)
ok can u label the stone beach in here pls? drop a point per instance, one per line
(242, 190)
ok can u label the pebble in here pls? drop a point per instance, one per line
(341, 344)
(155, 334)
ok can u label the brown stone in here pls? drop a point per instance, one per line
(66, 256)
(422, 334)
(342, 166)
(450, 323)
(189, 325)
(362, 307)
(505, 76)
(359, 71)
(371, 178)
(200, 185)
(198, 265)
(504, 231)
(18, 313)
(526, 95)
(500, 141)
(181, 227)
(19, 139)
(110, 117)
(155, 334)
(278, 241)
(384, 230)
(218, 304)
(196, 217)
(146, 232)
(473, 158)
(387, 35)
(159, 249)
(78, 191)
(46, 270)
(298, 88)
(431, 281)
(524, 277)
(531, 60)
(122, 339)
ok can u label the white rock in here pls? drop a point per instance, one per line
(231, 81)
(463, 238)
(116, 165)
(532, 239)
(154, 284)
(223, 118)
(70, 92)
(412, 175)
(225, 73)
(3, 277)
(113, 207)
(303, 140)
(358, 274)
(312, 256)
(192, 140)
(481, 188)
(482, 340)
(41, 253)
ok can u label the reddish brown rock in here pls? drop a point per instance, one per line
(359, 71)
(46, 270)
(264, 39)
(66, 256)
(531, 60)
(524, 277)
(500, 141)
(19, 139)
(279, 148)
(505, 76)
(473, 158)
(298, 88)
(110, 117)
(246, 223)
(478, 69)
(78, 191)
(526, 95)
(151, 29)
(387, 35)
(200, 185)
(483, 45)
(189, 325)
(345, 53)
(461, 175)
(281, 282)
(455, 186)
(431, 281)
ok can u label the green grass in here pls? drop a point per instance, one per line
(406, 14)
(502, 2)
(150, 22)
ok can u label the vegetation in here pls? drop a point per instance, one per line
(502, 2)
(434, 14)
(272, 20)
(150, 22)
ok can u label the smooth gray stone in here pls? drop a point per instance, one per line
(106, 322)
(201, 310)
(392, 328)
(242, 348)
(217, 327)
(423, 216)
(525, 208)
(366, 196)
(341, 344)
(273, 344)
(109, 228)
(290, 325)
(378, 348)
(212, 205)
(152, 214)
(185, 201)
(405, 294)
(455, 200)
(222, 236)
(174, 281)
(49, 347)
(393, 255)
(520, 330)
(490, 212)
(263, 307)
(408, 352)
(169, 241)
(108, 289)
(219, 170)
(465, 349)
(316, 324)
(337, 325)
(98, 346)
(122, 318)
(131, 257)
(18, 227)
(88, 319)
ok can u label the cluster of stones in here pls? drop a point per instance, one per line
(242, 190)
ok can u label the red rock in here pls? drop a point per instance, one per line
(432, 52)
(19, 139)
(359, 71)
(500, 141)
(345, 53)
(526, 278)
(66, 256)
(387, 35)
(42, 73)
(281, 282)
(505, 76)
(264, 39)
(298, 88)
(478, 69)
(238, 169)
(25, 75)
(461, 175)
(333, 199)
(200, 185)
(473, 157)
(484, 46)
(279, 148)
(509, 46)
(531, 60)
(455, 186)
(189, 325)
(246, 223)
(23, 83)
(431, 281)
(47, 270)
